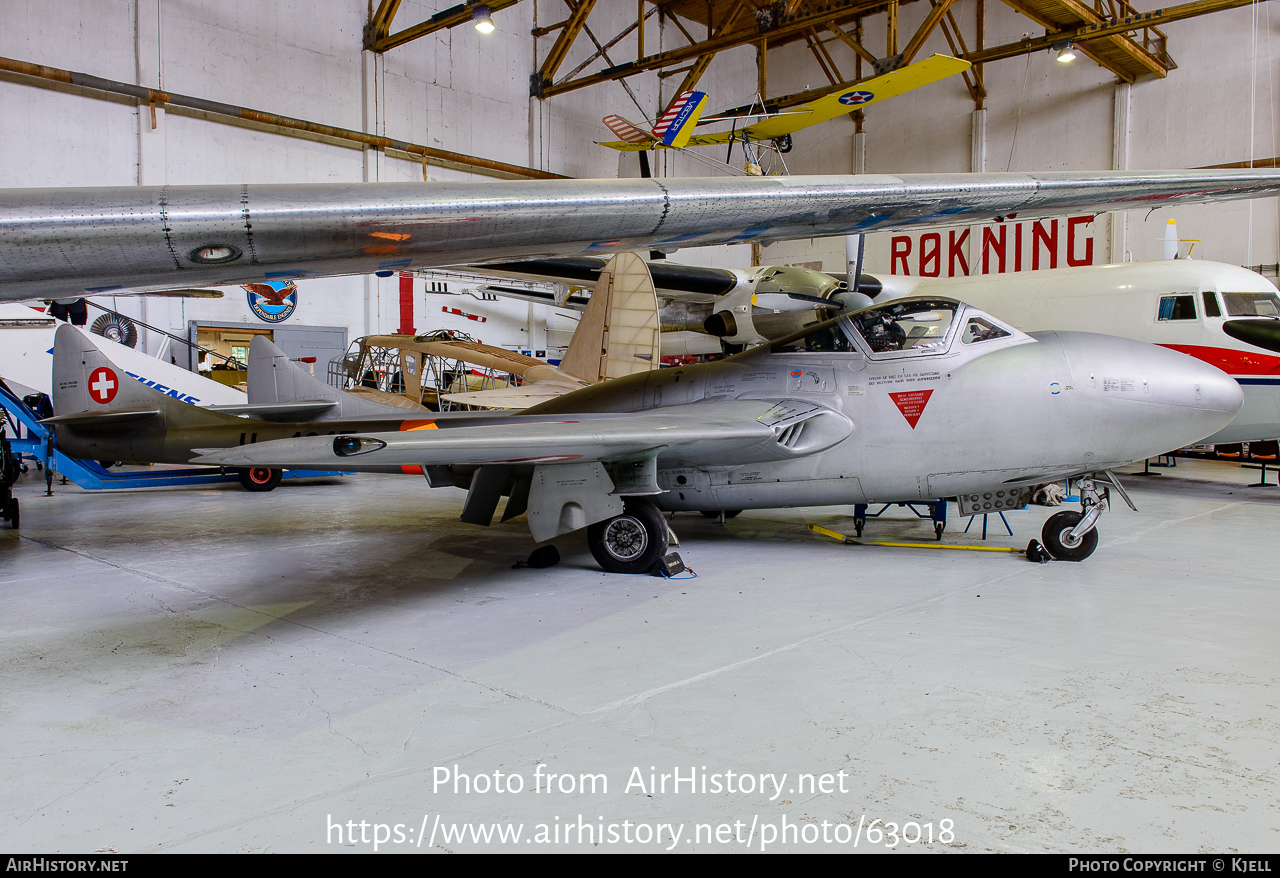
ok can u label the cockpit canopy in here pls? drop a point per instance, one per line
(905, 327)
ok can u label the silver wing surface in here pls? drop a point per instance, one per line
(734, 432)
(57, 242)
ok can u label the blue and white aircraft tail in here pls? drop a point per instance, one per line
(674, 128)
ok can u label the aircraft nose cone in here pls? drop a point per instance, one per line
(1167, 400)
(1261, 332)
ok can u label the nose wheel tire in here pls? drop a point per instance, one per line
(631, 542)
(1057, 537)
(260, 478)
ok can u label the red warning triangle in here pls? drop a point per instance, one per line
(911, 404)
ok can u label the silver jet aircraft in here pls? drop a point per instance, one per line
(912, 401)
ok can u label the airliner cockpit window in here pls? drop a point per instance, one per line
(1252, 304)
(1177, 308)
(919, 326)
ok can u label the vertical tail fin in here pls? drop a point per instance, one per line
(677, 123)
(274, 378)
(619, 332)
(84, 380)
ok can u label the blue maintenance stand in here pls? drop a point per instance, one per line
(934, 511)
(31, 439)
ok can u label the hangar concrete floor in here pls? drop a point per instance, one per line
(200, 670)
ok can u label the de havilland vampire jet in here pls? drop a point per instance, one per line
(916, 400)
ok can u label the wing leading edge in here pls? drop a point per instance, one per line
(739, 431)
(59, 242)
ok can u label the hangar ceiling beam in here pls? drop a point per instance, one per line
(377, 35)
(940, 8)
(215, 111)
(704, 61)
(849, 41)
(757, 27)
(569, 33)
(1106, 28)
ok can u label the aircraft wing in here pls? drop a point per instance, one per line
(823, 109)
(63, 242)
(509, 397)
(726, 433)
(873, 91)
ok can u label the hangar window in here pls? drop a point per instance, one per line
(1252, 304)
(1177, 308)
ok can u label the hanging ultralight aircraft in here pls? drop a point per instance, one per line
(675, 129)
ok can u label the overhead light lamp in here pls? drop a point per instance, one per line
(483, 21)
(1066, 52)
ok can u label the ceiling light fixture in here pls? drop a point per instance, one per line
(1066, 52)
(483, 21)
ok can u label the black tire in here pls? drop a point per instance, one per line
(1057, 527)
(938, 528)
(631, 542)
(858, 525)
(259, 478)
(12, 513)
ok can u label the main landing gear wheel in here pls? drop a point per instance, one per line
(259, 478)
(11, 512)
(1057, 537)
(631, 542)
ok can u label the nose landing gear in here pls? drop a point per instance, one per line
(1073, 536)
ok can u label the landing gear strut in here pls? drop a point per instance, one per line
(631, 542)
(1073, 536)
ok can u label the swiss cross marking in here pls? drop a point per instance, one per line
(103, 385)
